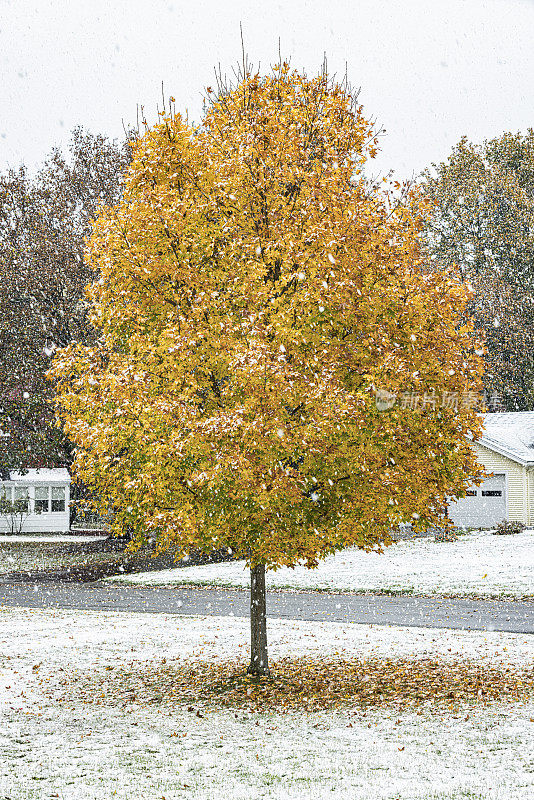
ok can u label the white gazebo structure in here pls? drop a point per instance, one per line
(36, 501)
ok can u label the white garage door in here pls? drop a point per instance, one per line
(484, 506)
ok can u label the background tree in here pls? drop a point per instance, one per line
(255, 290)
(483, 221)
(44, 220)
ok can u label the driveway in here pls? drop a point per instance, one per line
(491, 615)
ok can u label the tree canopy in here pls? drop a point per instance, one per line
(255, 292)
(481, 218)
(44, 219)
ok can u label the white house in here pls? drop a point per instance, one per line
(506, 450)
(41, 497)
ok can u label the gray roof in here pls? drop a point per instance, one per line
(511, 434)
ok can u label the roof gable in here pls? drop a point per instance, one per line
(510, 434)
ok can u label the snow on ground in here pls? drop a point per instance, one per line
(80, 752)
(41, 553)
(97, 638)
(48, 538)
(478, 564)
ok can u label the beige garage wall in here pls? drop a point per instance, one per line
(519, 483)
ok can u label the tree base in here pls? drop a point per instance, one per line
(260, 672)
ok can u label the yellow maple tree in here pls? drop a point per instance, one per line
(255, 291)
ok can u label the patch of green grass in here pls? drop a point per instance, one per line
(36, 556)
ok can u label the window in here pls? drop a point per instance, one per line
(22, 498)
(470, 494)
(491, 493)
(41, 499)
(6, 494)
(58, 498)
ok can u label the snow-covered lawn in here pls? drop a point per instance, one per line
(52, 538)
(479, 564)
(36, 553)
(77, 751)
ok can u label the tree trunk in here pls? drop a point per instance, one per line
(259, 664)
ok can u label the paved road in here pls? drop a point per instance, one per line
(379, 610)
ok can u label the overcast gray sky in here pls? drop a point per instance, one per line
(429, 70)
